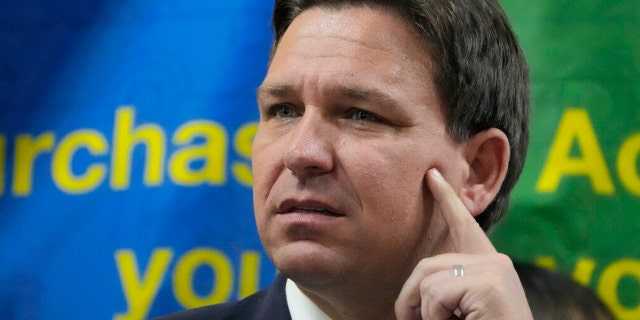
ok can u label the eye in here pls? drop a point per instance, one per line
(361, 115)
(283, 111)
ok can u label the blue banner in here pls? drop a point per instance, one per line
(125, 137)
(125, 145)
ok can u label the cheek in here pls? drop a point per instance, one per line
(394, 218)
(266, 166)
(389, 184)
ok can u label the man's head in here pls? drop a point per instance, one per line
(357, 105)
(480, 71)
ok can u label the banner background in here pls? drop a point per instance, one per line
(576, 205)
(125, 137)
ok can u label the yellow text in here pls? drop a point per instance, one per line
(575, 129)
(200, 156)
(607, 286)
(140, 285)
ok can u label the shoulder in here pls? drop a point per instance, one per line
(270, 303)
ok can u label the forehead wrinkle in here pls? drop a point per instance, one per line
(308, 37)
(398, 64)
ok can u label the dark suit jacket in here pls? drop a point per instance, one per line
(268, 304)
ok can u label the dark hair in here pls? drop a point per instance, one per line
(553, 295)
(480, 70)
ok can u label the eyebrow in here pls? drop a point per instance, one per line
(277, 90)
(351, 93)
(367, 95)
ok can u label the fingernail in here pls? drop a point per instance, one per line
(436, 174)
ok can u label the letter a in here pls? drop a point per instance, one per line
(575, 126)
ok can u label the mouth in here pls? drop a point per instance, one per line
(308, 207)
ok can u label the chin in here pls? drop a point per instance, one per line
(309, 263)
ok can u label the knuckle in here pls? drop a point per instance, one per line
(427, 289)
(425, 266)
(504, 261)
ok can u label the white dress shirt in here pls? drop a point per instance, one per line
(300, 306)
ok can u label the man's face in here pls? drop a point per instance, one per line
(350, 123)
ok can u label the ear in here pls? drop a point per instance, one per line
(487, 155)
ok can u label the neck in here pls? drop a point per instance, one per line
(360, 302)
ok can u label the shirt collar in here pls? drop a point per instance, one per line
(300, 306)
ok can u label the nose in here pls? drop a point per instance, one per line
(310, 149)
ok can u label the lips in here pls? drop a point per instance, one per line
(308, 207)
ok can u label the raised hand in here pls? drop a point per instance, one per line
(483, 285)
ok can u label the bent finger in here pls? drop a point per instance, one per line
(410, 298)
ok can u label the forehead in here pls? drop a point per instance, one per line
(376, 26)
(363, 43)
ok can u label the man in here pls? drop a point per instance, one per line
(368, 109)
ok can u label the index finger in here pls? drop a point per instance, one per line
(466, 234)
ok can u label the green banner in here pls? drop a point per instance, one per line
(577, 205)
